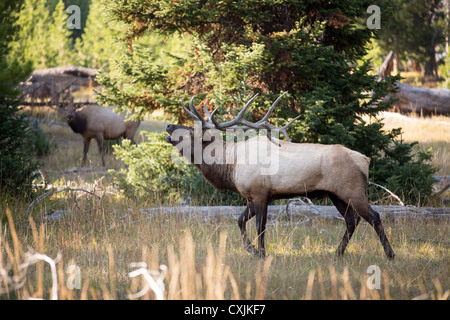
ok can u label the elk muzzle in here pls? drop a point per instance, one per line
(170, 128)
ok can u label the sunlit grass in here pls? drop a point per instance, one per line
(431, 132)
(103, 242)
(206, 259)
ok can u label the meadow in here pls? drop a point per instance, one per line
(105, 248)
(431, 132)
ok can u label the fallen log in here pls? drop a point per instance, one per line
(326, 212)
(422, 100)
(63, 72)
(76, 77)
(53, 86)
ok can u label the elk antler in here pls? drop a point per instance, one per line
(239, 122)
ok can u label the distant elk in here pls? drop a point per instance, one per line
(305, 169)
(101, 123)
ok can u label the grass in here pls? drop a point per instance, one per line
(431, 132)
(205, 259)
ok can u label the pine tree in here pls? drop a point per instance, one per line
(43, 37)
(11, 71)
(414, 31)
(97, 45)
(444, 71)
(309, 48)
(31, 21)
(60, 51)
(16, 157)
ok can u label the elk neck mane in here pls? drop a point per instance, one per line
(78, 124)
(220, 175)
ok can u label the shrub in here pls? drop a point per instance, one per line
(17, 164)
(40, 144)
(407, 175)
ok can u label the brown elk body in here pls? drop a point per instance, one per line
(100, 123)
(312, 170)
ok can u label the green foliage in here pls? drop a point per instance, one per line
(60, 46)
(17, 162)
(42, 37)
(19, 141)
(312, 49)
(444, 71)
(98, 46)
(141, 80)
(409, 176)
(11, 71)
(150, 168)
(39, 143)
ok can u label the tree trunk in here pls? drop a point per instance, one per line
(387, 66)
(431, 67)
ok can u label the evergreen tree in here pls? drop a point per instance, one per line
(309, 48)
(414, 31)
(444, 71)
(32, 22)
(43, 37)
(60, 50)
(98, 44)
(11, 72)
(16, 156)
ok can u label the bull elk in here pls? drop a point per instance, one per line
(101, 123)
(314, 170)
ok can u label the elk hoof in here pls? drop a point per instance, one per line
(390, 255)
(259, 253)
(251, 249)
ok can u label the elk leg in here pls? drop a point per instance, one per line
(87, 143)
(373, 218)
(375, 221)
(127, 135)
(248, 213)
(100, 140)
(351, 220)
(261, 219)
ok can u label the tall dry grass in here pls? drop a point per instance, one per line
(117, 246)
(431, 132)
(195, 259)
(23, 272)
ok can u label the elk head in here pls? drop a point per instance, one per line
(70, 111)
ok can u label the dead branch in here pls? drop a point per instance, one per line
(47, 194)
(18, 281)
(390, 192)
(154, 280)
